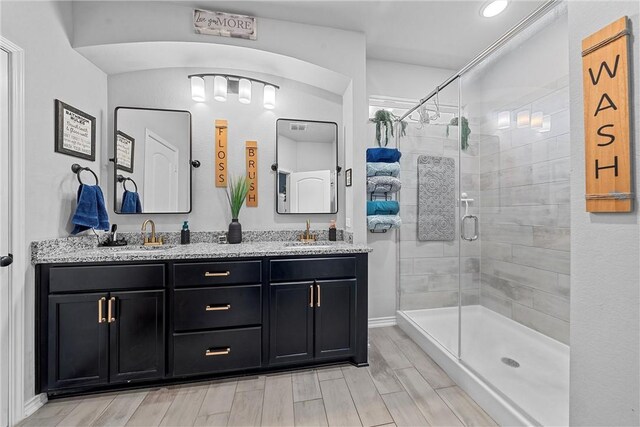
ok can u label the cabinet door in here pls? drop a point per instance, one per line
(291, 322)
(78, 340)
(335, 318)
(136, 335)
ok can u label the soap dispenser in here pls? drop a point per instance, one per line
(185, 234)
(332, 230)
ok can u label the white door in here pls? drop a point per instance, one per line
(160, 175)
(310, 192)
(5, 258)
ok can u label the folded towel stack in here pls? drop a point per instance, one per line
(383, 170)
(90, 211)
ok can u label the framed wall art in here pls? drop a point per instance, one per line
(75, 133)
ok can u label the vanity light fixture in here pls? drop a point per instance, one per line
(522, 119)
(244, 91)
(504, 119)
(536, 120)
(223, 84)
(546, 124)
(493, 8)
(220, 88)
(198, 89)
(269, 97)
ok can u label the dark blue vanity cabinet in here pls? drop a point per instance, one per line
(112, 325)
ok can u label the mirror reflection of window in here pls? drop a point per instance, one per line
(307, 166)
(160, 164)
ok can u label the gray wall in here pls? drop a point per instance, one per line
(605, 257)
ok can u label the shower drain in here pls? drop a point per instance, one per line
(510, 362)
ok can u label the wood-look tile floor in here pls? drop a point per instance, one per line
(402, 387)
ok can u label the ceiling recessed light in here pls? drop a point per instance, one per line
(493, 8)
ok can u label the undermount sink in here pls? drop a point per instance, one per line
(301, 245)
(139, 249)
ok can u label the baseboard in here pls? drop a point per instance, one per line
(378, 322)
(35, 403)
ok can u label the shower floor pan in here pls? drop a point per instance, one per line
(518, 375)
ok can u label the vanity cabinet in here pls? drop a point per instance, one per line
(102, 326)
(313, 318)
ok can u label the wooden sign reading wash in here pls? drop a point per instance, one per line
(252, 173)
(221, 153)
(606, 119)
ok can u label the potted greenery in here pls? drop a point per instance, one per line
(236, 194)
(384, 120)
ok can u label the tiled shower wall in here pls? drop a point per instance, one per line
(429, 271)
(524, 215)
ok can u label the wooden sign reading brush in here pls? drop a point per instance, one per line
(606, 119)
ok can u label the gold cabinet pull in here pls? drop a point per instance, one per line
(101, 318)
(220, 307)
(318, 304)
(220, 352)
(222, 274)
(112, 302)
(310, 295)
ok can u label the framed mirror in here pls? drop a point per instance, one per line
(306, 167)
(152, 156)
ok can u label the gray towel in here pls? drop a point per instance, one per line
(436, 198)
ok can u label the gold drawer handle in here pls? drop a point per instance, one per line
(222, 307)
(101, 318)
(223, 274)
(218, 352)
(318, 304)
(112, 301)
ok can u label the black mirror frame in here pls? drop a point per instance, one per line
(192, 162)
(274, 167)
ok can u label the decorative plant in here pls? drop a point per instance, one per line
(465, 131)
(384, 120)
(236, 194)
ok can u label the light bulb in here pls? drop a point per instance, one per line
(504, 119)
(537, 120)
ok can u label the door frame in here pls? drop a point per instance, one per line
(20, 271)
(151, 134)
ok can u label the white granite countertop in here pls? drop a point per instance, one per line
(193, 251)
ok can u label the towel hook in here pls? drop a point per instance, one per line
(466, 200)
(124, 180)
(77, 169)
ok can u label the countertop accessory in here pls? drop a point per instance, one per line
(236, 194)
(185, 234)
(153, 240)
(332, 231)
(77, 169)
(113, 240)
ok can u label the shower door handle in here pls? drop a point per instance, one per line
(475, 227)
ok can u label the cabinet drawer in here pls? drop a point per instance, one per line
(217, 273)
(218, 307)
(206, 352)
(312, 268)
(106, 277)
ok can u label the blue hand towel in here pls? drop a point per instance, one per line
(383, 207)
(383, 155)
(131, 202)
(91, 211)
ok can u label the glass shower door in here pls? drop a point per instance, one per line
(429, 291)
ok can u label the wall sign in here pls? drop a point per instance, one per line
(252, 173)
(221, 153)
(605, 72)
(224, 24)
(124, 151)
(75, 132)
